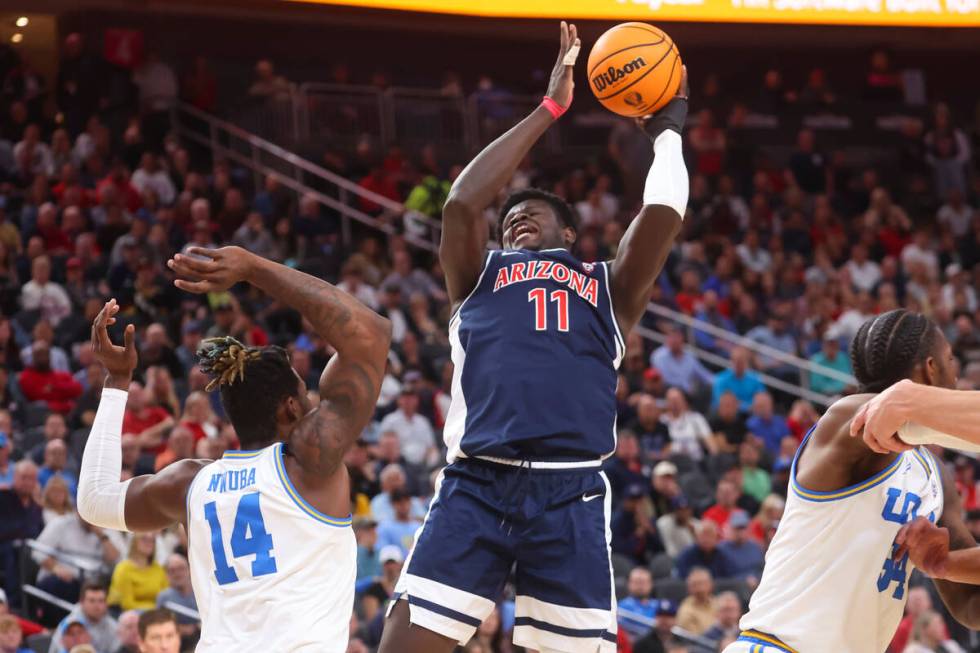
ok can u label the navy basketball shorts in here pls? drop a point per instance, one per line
(551, 525)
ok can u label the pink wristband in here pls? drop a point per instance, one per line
(555, 109)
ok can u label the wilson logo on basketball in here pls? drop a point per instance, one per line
(614, 75)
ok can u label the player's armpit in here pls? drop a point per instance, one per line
(156, 501)
(640, 258)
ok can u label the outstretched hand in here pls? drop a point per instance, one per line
(926, 544)
(562, 84)
(118, 361)
(202, 270)
(672, 115)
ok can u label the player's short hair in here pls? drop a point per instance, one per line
(253, 382)
(561, 208)
(887, 348)
(155, 618)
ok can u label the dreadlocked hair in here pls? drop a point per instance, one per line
(253, 382)
(887, 348)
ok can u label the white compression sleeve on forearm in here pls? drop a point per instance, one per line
(667, 181)
(101, 497)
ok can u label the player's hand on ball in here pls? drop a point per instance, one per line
(562, 84)
(878, 420)
(205, 270)
(672, 116)
(927, 546)
(118, 361)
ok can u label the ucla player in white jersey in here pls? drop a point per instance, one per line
(272, 553)
(835, 578)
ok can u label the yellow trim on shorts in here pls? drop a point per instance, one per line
(767, 639)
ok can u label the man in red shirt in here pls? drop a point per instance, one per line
(725, 496)
(147, 422)
(41, 383)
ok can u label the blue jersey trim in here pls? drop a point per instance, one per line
(620, 342)
(562, 630)
(250, 453)
(300, 502)
(763, 641)
(843, 493)
(922, 461)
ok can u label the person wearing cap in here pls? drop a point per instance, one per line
(638, 607)
(678, 527)
(664, 487)
(377, 594)
(399, 531)
(633, 532)
(746, 554)
(73, 634)
(831, 357)
(660, 636)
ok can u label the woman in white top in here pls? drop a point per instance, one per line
(689, 430)
(929, 636)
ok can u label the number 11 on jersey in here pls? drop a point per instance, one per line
(538, 297)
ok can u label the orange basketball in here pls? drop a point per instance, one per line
(634, 69)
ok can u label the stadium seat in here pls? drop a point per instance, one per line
(684, 463)
(622, 565)
(34, 414)
(736, 585)
(662, 566)
(39, 643)
(699, 491)
(673, 589)
(621, 590)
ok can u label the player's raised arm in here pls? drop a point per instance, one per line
(648, 240)
(149, 502)
(464, 229)
(351, 380)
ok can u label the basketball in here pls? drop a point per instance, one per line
(634, 69)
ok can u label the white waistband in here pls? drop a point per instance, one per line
(537, 464)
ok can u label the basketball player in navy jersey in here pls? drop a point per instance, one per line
(536, 338)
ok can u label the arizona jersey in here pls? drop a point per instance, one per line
(535, 347)
(270, 572)
(830, 583)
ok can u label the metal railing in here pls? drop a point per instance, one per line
(84, 565)
(685, 636)
(262, 157)
(47, 597)
(182, 610)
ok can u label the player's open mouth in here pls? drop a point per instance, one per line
(523, 229)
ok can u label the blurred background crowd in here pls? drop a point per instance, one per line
(787, 247)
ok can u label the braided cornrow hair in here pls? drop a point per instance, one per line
(253, 382)
(224, 360)
(887, 348)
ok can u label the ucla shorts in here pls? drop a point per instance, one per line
(551, 525)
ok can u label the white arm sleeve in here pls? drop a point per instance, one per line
(101, 497)
(916, 434)
(667, 183)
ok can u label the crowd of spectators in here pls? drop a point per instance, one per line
(791, 256)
